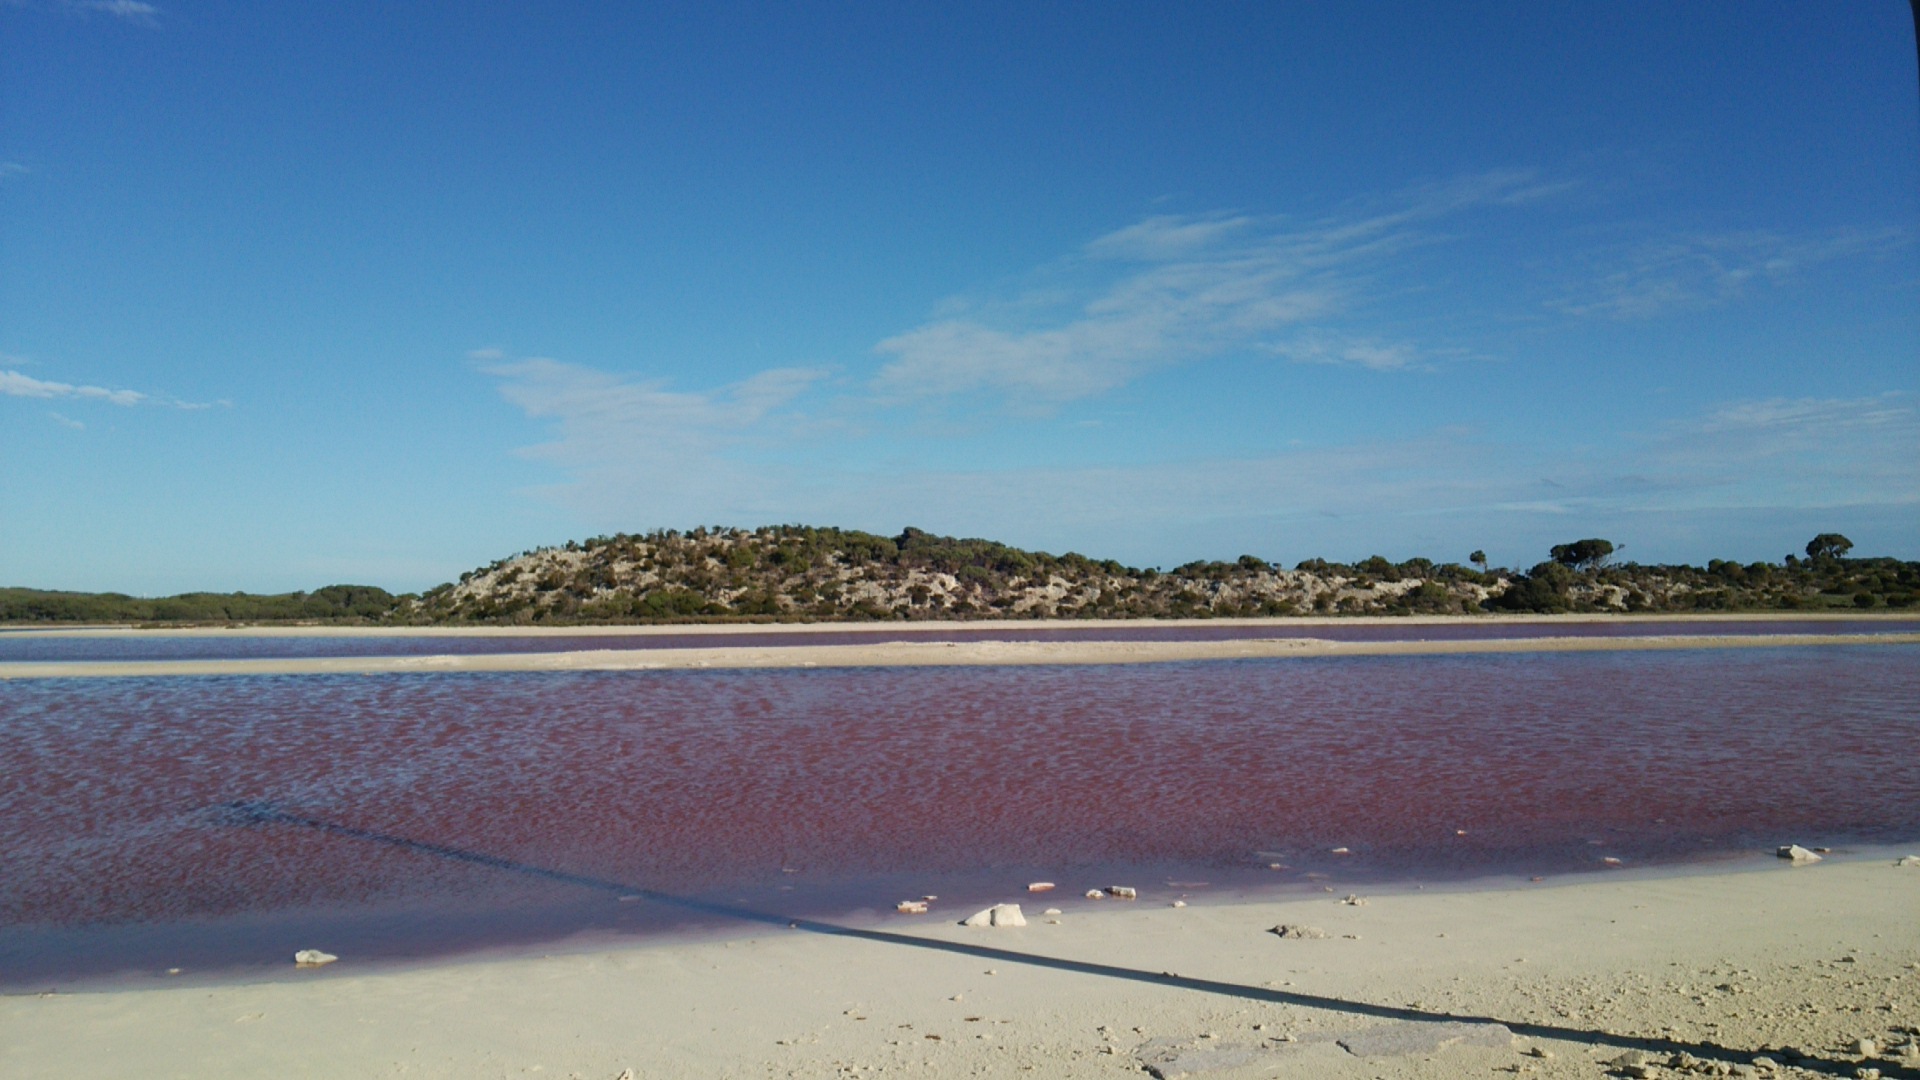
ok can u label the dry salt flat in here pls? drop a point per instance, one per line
(1768, 967)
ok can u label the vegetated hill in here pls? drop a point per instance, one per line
(797, 573)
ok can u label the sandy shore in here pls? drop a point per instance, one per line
(1287, 626)
(918, 654)
(1548, 980)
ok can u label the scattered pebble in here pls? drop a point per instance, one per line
(1797, 855)
(1907, 860)
(1051, 911)
(1178, 903)
(1341, 851)
(1123, 892)
(1040, 886)
(911, 907)
(1096, 894)
(1293, 931)
(1354, 901)
(312, 958)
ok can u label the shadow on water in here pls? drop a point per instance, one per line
(245, 813)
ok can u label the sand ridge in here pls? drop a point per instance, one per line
(926, 626)
(905, 653)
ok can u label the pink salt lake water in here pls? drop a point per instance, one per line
(401, 816)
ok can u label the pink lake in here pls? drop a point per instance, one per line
(832, 792)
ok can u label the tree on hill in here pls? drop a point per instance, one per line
(1586, 554)
(1479, 559)
(1545, 588)
(1828, 546)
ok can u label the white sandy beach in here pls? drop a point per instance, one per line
(925, 626)
(1721, 964)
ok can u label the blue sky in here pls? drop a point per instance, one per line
(293, 294)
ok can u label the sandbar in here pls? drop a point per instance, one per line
(1281, 624)
(907, 653)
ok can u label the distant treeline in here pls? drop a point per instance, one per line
(359, 603)
(794, 572)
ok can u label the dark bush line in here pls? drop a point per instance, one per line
(793, 572)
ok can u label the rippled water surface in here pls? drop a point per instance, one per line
(825, 791)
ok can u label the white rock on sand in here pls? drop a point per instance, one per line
(997, 915)
(1798, 855)
(1040, 886)
(911, 907)
(313, 958)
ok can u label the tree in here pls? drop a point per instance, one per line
(1828, 546)
(1545, 588)
(1586, 554)
(1479, 559)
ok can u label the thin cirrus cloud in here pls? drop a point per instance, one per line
(637, 439)
(1174, 289)
(134, 11)
(1700, 271)
(131, 10)
(15, 384)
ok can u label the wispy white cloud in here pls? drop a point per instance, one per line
(130, 10)
(14, 384)
(133, 11)
(67, 421)
(1173, 289)
(1320, 348)
(642, 439)
(1706, 270)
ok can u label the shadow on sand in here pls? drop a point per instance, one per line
(260, 813)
